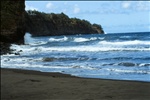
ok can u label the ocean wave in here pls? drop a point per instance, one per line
(27, 49)
(124, 71)
(115, 55)
(125, 37)
(122, 43)
(144, 65)
(80, 39)
(128, 64)
(28, 38)
(58, 39)
(101, 38)
(126, 58)
(38, 43)
(93, 49)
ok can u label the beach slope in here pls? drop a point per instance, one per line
(33, 85)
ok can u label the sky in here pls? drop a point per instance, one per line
(113, 16)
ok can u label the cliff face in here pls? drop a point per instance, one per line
(12, 23)
(42, 24)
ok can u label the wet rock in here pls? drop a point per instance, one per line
(17, 53)
(4, 48)
(127, 64)
(47, 59)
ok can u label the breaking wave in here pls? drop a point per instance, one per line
(122, 43)
(113, 56)
(58, 39)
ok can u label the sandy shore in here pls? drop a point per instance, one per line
(34, 85)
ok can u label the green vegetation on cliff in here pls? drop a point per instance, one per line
(43, 24)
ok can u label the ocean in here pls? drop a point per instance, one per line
(119, 56)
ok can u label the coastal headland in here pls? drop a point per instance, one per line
(15, 22)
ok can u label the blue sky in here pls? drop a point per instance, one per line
(114, 16)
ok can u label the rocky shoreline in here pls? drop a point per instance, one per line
(4, 48)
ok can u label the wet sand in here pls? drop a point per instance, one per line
(34, 85)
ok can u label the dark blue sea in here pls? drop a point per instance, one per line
(120, 56)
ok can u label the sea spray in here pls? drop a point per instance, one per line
(28, 38)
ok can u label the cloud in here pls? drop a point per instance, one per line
(135, 5)
(49, 5)
(30, 8)
(118, 7)
(142, 6)
(126, 4)
(76, 9)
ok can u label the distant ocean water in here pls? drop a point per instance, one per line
(124, 56)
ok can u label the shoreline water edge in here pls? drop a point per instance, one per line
(109, 56)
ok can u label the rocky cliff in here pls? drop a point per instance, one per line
(43, 24)
(12, 23)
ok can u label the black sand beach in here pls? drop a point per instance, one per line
(33, 85)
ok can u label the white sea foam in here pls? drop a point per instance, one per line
(93, 49)
(145, 64)
(135, 42)
(28, 38)
(58, 39)
(31, 41)
(130, 71)
(34, 50)
(38, 43)
(125, 37)
(94, 38)
(25, 65)
(101, 38)
(80, 39)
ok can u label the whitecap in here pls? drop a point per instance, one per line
(145, 65)
(93, 49)
(38, 43)
(130, 71)
(101, 38)
(125, 37)
(28, 50)
(93, 38)
(122, 43)
(28, 38)
(80, 39)
(58, 39)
